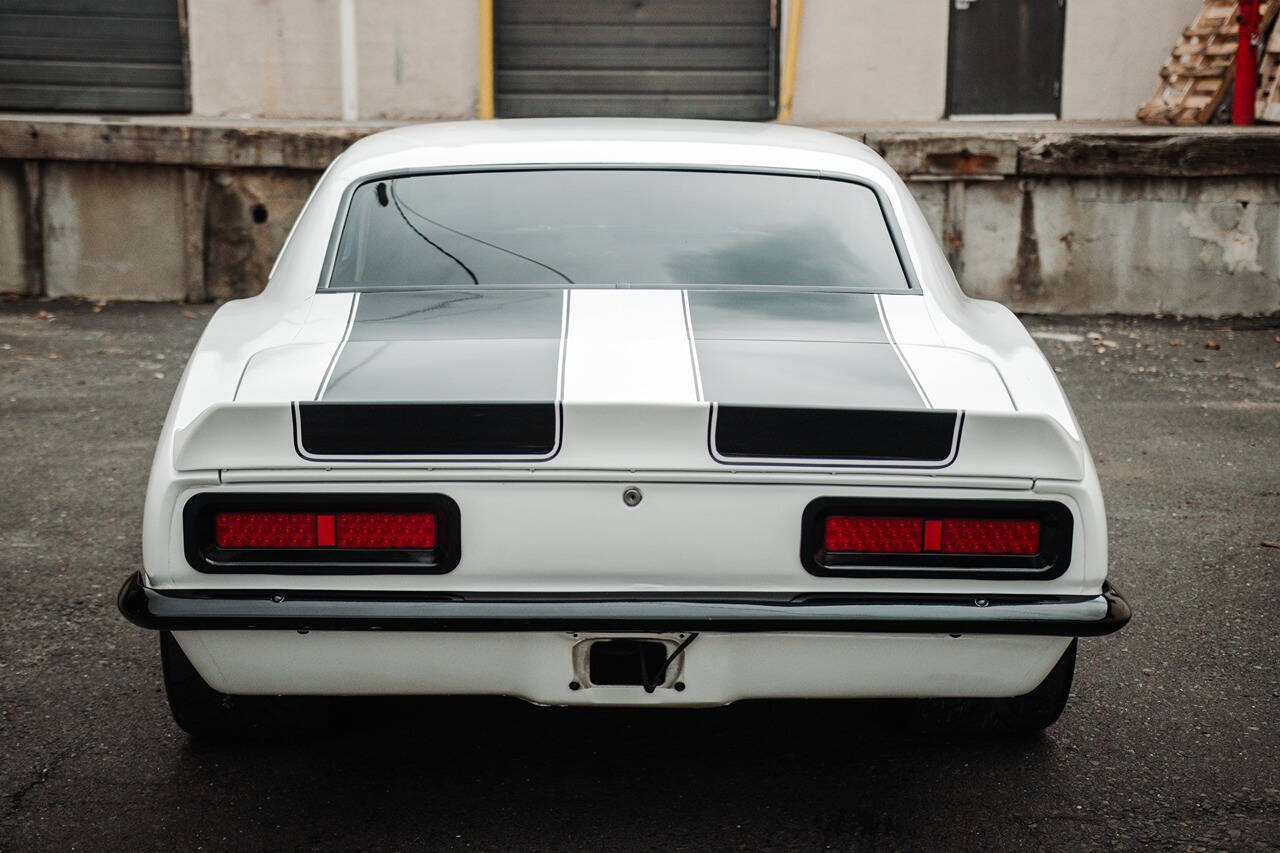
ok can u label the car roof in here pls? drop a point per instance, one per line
(605, 140)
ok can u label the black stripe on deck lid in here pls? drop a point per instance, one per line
(427, 429)
(447, 346)
(777, 433)
(798, 349)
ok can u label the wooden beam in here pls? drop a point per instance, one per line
(282, 145)
(1212, 153)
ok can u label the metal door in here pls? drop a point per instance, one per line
(673, 58)
(126, 56)
(1005, 57)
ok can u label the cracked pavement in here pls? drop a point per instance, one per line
(1169, 740)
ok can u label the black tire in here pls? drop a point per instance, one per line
(207, 714)
(1020, 715)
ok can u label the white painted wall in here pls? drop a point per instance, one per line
(1113, 52)
(863, 61)
(277, 59)
(867, 60)
(859, 60)
(280, 58)
(417, 60)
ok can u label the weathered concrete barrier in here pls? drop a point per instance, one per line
(1102, 219)
(1051, 218)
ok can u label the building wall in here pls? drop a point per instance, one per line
(1113, 53)
(864, 60)
(280, 58)
(857, 62)
(414, 64)
(251, 58)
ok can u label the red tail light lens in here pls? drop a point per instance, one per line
(907, 535)
(977, 538)
(990, 536)
(265, 529)
(874, 535)
(343, 530)
(386, 530)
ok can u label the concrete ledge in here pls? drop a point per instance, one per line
(915, 154)
(1047, 217)
(179, 141)
(1067, 149)
(940, 149)
(1205, 154)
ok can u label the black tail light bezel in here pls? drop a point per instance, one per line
(1056, 532)
(204, 554)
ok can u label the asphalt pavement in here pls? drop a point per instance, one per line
(1169, 740)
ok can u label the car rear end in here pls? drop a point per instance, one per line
(335, 578)
(740, 437)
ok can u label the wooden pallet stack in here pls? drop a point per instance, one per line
(1202, 67)
(1268, 106)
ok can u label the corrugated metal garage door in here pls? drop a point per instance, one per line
(675, 58)
(93, 55)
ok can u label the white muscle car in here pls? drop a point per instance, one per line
(619, 412)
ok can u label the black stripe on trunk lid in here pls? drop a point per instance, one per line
(427, 429)
(451, 346)
(797, 349)
(778, 433)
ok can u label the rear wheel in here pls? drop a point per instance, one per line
(1024, 714)
(205, 713)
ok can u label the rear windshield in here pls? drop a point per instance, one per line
(611, 227)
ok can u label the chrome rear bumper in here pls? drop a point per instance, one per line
(1040, 615)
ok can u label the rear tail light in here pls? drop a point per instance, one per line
(874, 535)
(937, 538)
(385, 530)
(322, 533)
(265, 530)
(880, 535)
(990, 536)
(355, 530)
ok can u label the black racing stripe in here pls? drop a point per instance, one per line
(799, 349)
(451, 346)
(768, 432)
(786, 315)
(427, 429)
(804, 374)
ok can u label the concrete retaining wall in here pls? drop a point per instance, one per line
(1093, 221)
(13, 229)
(1205, 247)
